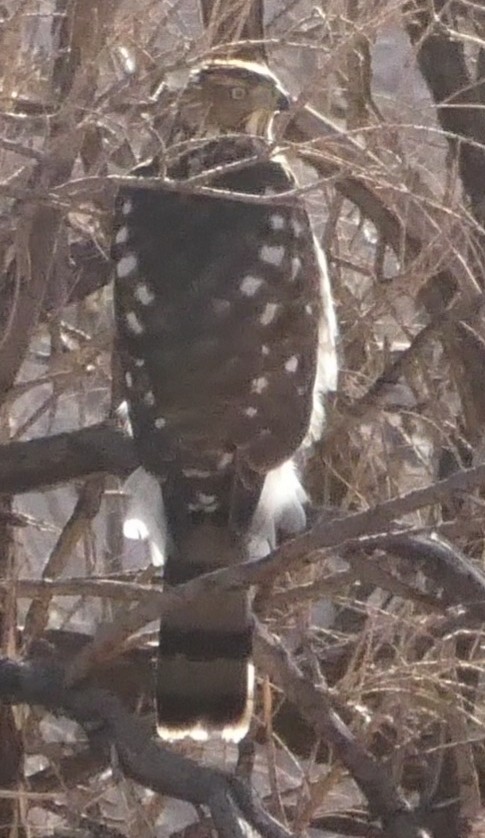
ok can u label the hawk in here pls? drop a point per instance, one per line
(226, 336)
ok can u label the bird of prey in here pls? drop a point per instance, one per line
(226, 335)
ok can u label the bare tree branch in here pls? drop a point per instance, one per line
(384, 800)
(86, 508)
(85, 271)
(38, 463)
(108, 725)
(442, 61)
(229, 24)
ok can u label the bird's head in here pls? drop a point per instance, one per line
(233, 97)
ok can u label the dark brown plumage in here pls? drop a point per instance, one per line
(221, 307)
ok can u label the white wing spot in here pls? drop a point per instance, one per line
(272, 254)
(149, 398)
(268, 314)
(160, 422)
(224, 460)
(291, 364)
(264, 349)
(129, 379)
(220, 306)
(127, 207)
(139, 362)
(143, 294)
(122, 235)
(251, 412)
(277, 221)
(205, 503)
(250, 284)
(259, 384)
(204, 499)
(295, 267)
(134, 324)
(309, 308)
(195, 472)
(203, 507)
(127, 265)
(297, 227)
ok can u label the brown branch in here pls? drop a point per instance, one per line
(108, 725)
(228, 23)
(458, 97)
(468, 584)
(43, 462)
(85, 271)
(462, 581)
(31, 465)
(38, 463)
(86, 508)
(39, 240)
(130, 592)
(374, 399)
(39, 234)
(408, 222)
(347, 824)
(373, 779)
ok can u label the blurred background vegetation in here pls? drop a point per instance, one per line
(393, 168)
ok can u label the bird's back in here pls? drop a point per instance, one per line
(219, 311)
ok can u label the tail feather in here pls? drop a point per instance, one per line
(209, 708)
(204, 697)
(205, 676)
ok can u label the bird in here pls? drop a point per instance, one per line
(226, 334)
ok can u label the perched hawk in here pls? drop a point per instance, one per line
(226, 334)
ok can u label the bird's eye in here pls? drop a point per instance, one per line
(238, 92)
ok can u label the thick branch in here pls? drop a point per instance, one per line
(461, 581)
(441, 59)
(465, 584)
(108, 725)
(373, 779)
(39, 463)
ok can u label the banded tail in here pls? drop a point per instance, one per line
(205, 675)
